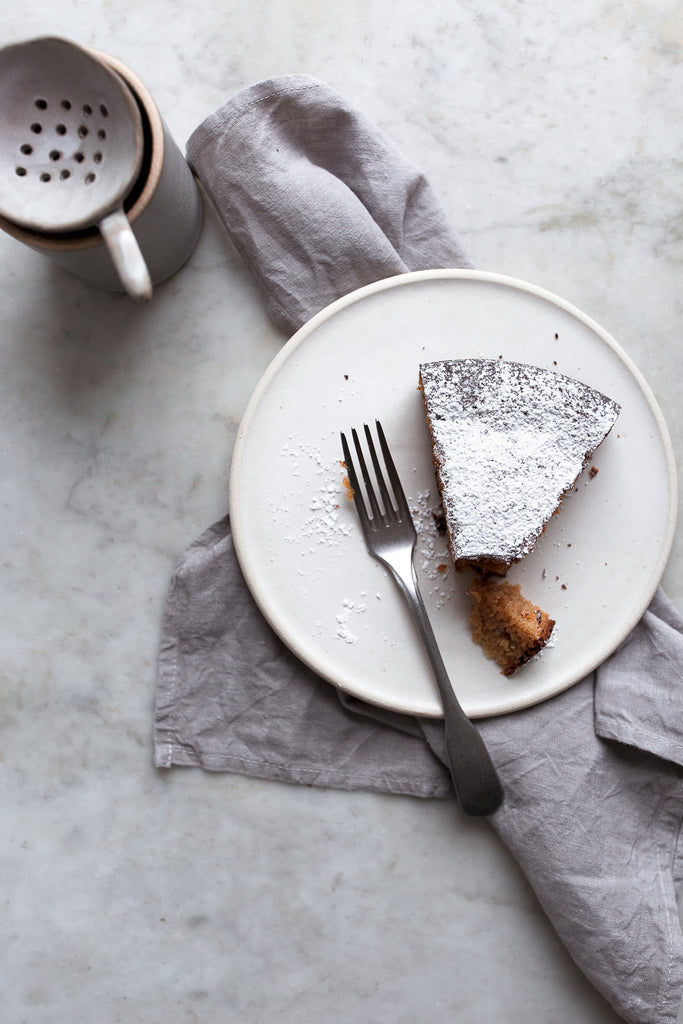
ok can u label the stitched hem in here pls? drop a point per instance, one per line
(611, 728)
(169, 754)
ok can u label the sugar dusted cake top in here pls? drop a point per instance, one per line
(509, 440)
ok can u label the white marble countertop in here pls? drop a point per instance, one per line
(551, 133)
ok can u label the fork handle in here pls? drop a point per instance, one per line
(475, 779)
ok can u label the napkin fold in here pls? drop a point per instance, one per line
(319, 202)
(316, 200)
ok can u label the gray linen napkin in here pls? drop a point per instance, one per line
(593, 777)
(316, 200)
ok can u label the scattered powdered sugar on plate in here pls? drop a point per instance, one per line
(349, 609)
(432, 558)
(351, 619)
(324, 525)
(432, 555)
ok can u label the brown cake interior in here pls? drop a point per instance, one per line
(509, 628)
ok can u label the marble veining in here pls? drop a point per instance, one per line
(550, 133)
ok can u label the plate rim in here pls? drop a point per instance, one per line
(403, 280)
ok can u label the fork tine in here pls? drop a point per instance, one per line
(372, 497)
(355, 486)
(399, 493)
(386, 499)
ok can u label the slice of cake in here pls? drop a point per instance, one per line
(508, 440)
(510, 628)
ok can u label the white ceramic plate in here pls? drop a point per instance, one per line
(298, 540)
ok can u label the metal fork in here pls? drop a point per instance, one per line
(390, 536)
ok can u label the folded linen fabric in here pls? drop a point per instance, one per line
(316, 200)
(593, 777)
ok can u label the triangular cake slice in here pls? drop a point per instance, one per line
(509, 440)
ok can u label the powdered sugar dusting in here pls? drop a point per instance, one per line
(343, 631)
(509, 440)
(324, 525)
(432, 556)
(349, 617)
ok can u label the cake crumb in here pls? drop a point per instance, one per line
(509, 628)
(348, 488)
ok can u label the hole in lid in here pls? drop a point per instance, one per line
(21, 171)
(26, 149)
(55, 154)
(89, 178)
(82, 131)
(97, 158)
(79, 158)
(103, 110)
(66, 104)
(45, 176)
(87, 109)
(61, 129)
(101, 134)
(36, 128)
(65, 174)
(40, 103)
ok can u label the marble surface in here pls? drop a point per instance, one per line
(551, 133)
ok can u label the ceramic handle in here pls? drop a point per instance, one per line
(126, 256)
